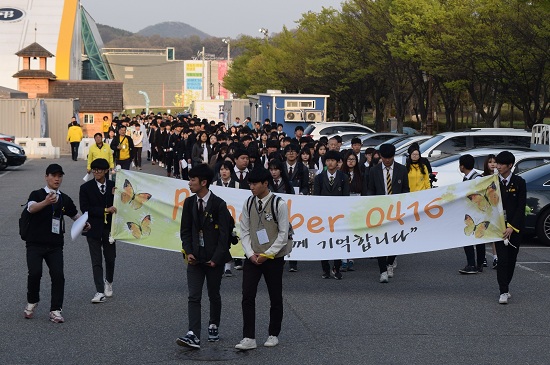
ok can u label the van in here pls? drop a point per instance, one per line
(449, 143)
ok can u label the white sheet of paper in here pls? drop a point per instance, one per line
(262, 236)
(88, 177)
(78, 226)
(183, 164)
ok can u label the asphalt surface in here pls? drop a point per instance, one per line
(427, 314)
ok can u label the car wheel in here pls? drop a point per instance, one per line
(543, 228)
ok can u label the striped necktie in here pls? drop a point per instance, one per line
(388, 180)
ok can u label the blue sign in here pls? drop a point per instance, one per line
(11, 14)
(194, 84)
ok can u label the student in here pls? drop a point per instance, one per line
(96, 197)
(466, 166)
(265, 242)
(490, 168)
(331, 182)
(74, 136)
(279, 182)
(297, 172)
(137, 139)
(204, 232)
(100, 150)
(387, 178)
(123, 148)
(514, 195)
(44, 241)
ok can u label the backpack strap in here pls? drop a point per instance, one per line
(275, 207)
(249, 203)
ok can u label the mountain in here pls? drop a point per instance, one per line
(172, 30)
(109, 33)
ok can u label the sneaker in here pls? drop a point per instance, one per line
(384, 277)
(238, 264)
(227, 273)
(108, 289)
(468, 270)
(213, 334)
(484, 262)
(390, 271)
(495, 263)
(395, 264)
(480, 269)
(272, 341)
(189, 340)
(98, 298)
(344, 267)
(246, 344)
(350, 265)
(503, 299)
(336, 273)
(326, 275)
(29, 310)
(292, 269)
(55, 317)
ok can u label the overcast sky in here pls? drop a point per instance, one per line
(217, 18)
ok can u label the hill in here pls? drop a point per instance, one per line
(109, 33)
(172, 30)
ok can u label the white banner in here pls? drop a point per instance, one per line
(149, 213)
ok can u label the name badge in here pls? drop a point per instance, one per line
(56, 225)
(262, 236)
(201, 239)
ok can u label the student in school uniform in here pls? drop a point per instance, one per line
(331, 182)
(297, 172)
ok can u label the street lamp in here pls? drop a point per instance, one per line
(265, 32)
(228, 42)
(429, 122)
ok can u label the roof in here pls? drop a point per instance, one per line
(34, 50)
(35, 74)
(94, 96)
(7, 93)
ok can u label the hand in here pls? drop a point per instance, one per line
(88, 171)
(210, 263)
(507, 233)
(119, 147)
(191, 259)
(51, 198)
(87, 227)
(111, 210)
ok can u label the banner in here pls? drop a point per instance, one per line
(149, 213)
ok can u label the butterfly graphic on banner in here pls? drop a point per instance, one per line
(478, 230)
(128, 195)
(488, 199)
(141, 230)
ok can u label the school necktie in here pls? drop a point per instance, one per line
(201, 207)
(260, 205)
(102, 188)
(331, 180)
(388, 180)
(276, 185)
(225, 184)
(242, 176)
(290, 171)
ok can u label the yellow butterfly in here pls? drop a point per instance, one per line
(135, 200)
(141, 230)
(488, 199)
(477, 229)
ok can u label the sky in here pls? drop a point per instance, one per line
(217, 18)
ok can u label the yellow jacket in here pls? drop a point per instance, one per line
(103, 152)
(417, 179)
(74, 134)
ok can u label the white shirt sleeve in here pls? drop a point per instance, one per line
(282, 237)
(245, 230)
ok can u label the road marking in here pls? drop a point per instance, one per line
(533, 271)
(533, 262)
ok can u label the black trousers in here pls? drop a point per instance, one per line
(507, 257)
(195, 281)
(99, 249)
(53, 256)
(384, 261)
(471, 254)
(74, 150)
(137, 156)
(272, 271)
(124, 164)
(325, 265)
(169, 162)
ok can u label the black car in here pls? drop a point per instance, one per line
(3, 161)
(537, 210)
(13, 152)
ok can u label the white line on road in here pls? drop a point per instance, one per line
(532, 270)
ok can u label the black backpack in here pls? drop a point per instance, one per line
(24, 223)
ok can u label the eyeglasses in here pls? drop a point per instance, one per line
(352, 159)
(95, 171)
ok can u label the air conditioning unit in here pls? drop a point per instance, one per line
(314, 116)
(293, 116)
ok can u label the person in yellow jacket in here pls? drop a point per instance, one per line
(419, 177)
(106, 126)
(100, 150)
(74, 136)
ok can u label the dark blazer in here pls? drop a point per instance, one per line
(377, 180)
(299, 177)
(321, 184)
(243, 184)
(93, 202)
(214, 224)
(232, 183)
(514, 197)
(197, 154)
(283, 188)
(116, 141)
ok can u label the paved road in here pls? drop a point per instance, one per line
(428, 314)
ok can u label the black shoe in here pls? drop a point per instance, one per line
(484, 262)
(213, 334)
(337, 274)
(480, 269)
(468, 270)
(238, 264)
(495, 263)
(189, 340)
(326, 275)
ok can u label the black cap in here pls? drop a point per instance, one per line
(387, 150)
(100, 163)
(54, 168)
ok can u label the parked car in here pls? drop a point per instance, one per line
(347, 136)
(408, 130)
(13, 152)
(317, 130)
(537, 210)
(447, 171)
(372, 140)
(403, 142)
(7, 138)
(3, 161)
(449, 143)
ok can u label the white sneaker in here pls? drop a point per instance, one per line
(272, 341)
(503, 298)
(384, 277)
(29, 310)
(108, 289)
(390, 271)
(246, 344)
(394, 263)
(56, 317)
(98, 298)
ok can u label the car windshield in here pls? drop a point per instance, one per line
(309, 129)
(445, 160)
(393, 141)
(536, 172)
(429, 143)
(403, 146)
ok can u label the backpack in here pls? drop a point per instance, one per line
(274, 209)
(24, 223)
(233, 238)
